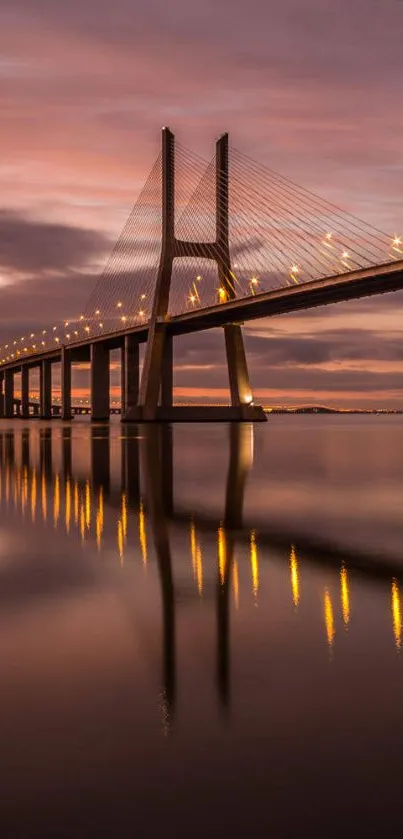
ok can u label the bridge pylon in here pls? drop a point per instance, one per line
(155, 397)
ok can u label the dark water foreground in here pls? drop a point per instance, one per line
(201, 629)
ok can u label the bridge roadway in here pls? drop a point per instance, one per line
(352, 285)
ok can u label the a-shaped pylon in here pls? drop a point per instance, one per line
(156, 389)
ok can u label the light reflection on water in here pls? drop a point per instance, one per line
(190, 604)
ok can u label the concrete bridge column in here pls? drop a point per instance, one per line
(241, 392)
(167, 373)
(99, 382)
(129, 374)
(45, 380)
(25, 391)
(9, 393)
(66, 384)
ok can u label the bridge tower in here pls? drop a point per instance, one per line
(154, 400)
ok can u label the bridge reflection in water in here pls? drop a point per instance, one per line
(82, 504)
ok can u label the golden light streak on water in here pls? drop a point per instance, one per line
(254, 564)
(344, 595)
(396, 613)
(68, 505)
(76, 503)
(24, 490)
(56, 501)
(222, 553)
(124, 515)
(246, 445)
(82, 520)
(235, 583)
(100, 518)
(193, 547)
(142, 534)
(199, 570)
(33, 495)
(294, 571)
(120, 541)
(87, 505)
(329, 618)
(44, 500)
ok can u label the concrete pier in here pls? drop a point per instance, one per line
(66, 383)
(99, 382)
(167, 374)
(45, 386)
(129, 373)
(25, 391)
(9, 393)
(240, 389)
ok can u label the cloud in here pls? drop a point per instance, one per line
(332, 346)
(37, 248)
(350, 367)
(279, 350)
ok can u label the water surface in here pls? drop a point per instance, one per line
(200, 628)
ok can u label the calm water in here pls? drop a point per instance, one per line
(201, 629)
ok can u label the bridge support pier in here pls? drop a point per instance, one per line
(45, 387)
(9, 393)
(167, 374)
(66, 384)
(240, 389)
(129, 373)
(25, 391)
(99, 382)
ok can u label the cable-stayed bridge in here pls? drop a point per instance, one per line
(206, 245)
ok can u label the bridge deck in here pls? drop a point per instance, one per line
(353, 285)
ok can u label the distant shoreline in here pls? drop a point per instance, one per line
(320, 410)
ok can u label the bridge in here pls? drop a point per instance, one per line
(206, 245)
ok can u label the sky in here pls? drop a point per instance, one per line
(311, 88)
